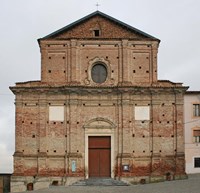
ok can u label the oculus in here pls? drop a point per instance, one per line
(99, 73)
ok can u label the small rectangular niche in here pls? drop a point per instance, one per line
(56, 113)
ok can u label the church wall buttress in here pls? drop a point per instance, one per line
(19, 130)
(120, 62)
(154, 58)
(42, 124)
(125, 61)
(73, 59)
(73, 120)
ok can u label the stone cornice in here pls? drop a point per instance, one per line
(101, 90)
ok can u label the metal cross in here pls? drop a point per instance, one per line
(97, 6)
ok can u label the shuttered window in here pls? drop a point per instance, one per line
(196, 135)
(196, 110)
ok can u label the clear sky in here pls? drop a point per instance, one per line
(175, 22)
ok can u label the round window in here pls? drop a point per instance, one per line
(99, 73)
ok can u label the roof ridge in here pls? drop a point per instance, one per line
(103, 15)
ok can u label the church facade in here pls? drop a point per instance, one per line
(99, 109)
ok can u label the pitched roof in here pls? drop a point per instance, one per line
(98, 13)
(192, 92)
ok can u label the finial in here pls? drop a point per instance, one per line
(97, 6)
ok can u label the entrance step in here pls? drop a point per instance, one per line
(100, 182)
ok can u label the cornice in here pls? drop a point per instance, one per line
(17, 90)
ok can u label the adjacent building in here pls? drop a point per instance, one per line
(192, 131)
(5, 183)
(99, 109)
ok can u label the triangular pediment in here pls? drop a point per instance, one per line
(106, 27)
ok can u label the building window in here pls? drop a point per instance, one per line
(96, 33)
(99, 73)
(196, 135)
(197, 162)
(196, 110)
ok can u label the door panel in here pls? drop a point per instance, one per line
(104, 161)
(99, 157)
(99, 142)
(93, 162)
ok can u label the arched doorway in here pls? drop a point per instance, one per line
(99, 148)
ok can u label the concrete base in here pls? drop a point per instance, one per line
(181, 177)
(151, 179)
(20, 183)
(135, 179)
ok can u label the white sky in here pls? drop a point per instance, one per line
(175, 22)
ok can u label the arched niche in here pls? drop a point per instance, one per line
(99, 122)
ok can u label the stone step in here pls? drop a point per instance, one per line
(100, 182)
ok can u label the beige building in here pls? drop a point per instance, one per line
(192, 131)
(98, 110)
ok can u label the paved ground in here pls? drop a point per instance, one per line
(191, 185)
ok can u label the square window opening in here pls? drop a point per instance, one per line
(96, 33)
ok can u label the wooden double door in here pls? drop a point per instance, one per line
(99, 156)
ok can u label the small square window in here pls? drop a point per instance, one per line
(197, 162)
(196, 110)
(96, 33)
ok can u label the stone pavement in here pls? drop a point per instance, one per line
(190, 185)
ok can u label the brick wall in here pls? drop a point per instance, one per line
(127, 61)
(56, 141)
